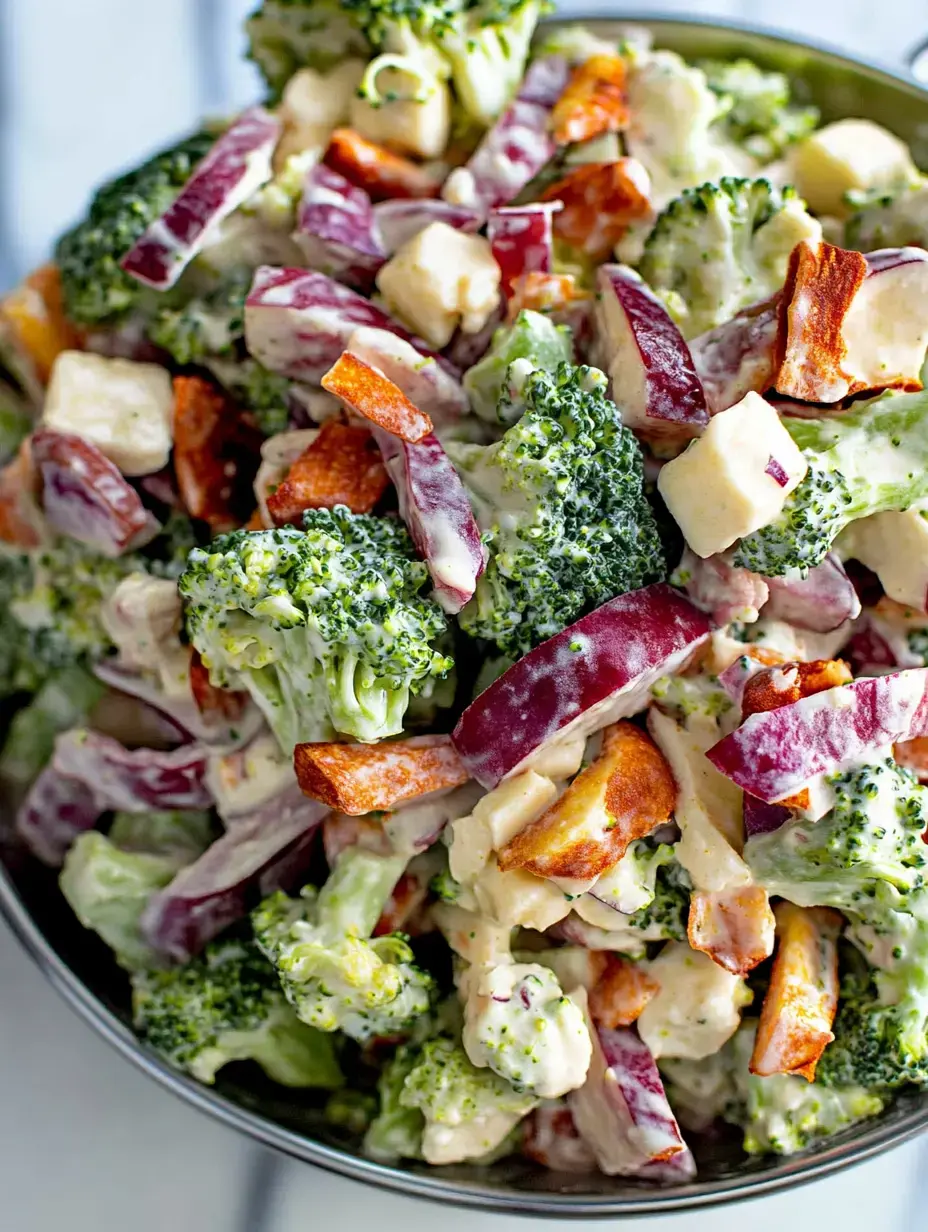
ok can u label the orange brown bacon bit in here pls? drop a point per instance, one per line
(364, 778)
(821, 283)
(342, 466)
(622, 796)
(381, 173)
(215, 453)
(802, 997)
(367, 392)
(209, 699)
(621, 993)
(593, 101)
(543, 293)
(34, 315)
(734, 927)
(408, 896)
(601, 201)
(21, 520)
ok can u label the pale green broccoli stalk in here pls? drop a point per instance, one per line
(891, 220)
(537, 342)
(16, 421)
(332, 972)
(96, 291)
(872, 459)
(689, 697)
(227, 1006)
(63, 701)
(108, 881)
(328, 630)
(650, 887)
(760, 116)
(396, 1131)
(720, 247)
(287, 35)
(560, 500)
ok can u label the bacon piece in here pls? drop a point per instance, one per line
(381, 173)
(342, 466)
(21, 521)
(407, 897)
(621, 993)
(210, 700)
(821, 283)
(364, 778)
(601, 201)
(33, 315)
(367, 392)
(734, 927)
(802, 997)
(913, 754)
(624, 795)
(593, 101)
(216, 454)
(541, 292)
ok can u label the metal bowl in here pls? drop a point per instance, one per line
(82, 970)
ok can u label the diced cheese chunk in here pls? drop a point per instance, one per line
(122, 407)
(733, 479)
(519, 899)
(848, 155)
(313, 106)
(895, 547)
(411, 122)
(698, 1008)
(442, 279)
(497, 818)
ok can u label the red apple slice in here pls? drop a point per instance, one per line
(55, 811)
(399, 221)
(739, 356)
(551, 1139)
(522, 240)
(134, 780)
(717, 587)
(654, 379)
(235, 168)
(822, 601)
(592, 674)
(776, 753)
(337, 230)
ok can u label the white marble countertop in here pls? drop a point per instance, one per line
(87, 1143)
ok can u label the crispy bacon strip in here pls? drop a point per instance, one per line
(734, 927)
(210, 699)
(364, 778)
(34, 315)
(216, 454)
(367, 392)
(593, 101)
(913, 754)
(21, 521)
(601, 201)
(408, 895)
(342, 466)
(821, 283)
(802, 997)
(627, 792)
(621, 993)
(381, 173)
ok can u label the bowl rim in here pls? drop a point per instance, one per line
(787, 1173)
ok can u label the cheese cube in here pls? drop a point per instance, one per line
(698, 1008)
(496, 819)
(412, 123)
(895, 547)
(122, 407)
(733, 479)
(846, 155)
(519, 899)
(442, 279)
(313, 106)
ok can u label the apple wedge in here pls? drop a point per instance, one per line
(716, 586)
(592, 674)
(337, 230)
(399, 220)
(627, 792)
(522, 240)
(654, 379)
(821, 602)
(739, 356)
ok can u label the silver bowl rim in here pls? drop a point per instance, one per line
(784, 1174)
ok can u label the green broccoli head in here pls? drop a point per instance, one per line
(537, 342)
(264, 394)
(720, 247)
(890, 220)
(328, 629)
(872, 460)
(657, 886)
(865, 856)
(287, 35)
(561, 503)
(332, 972)
(96, 291)
(16, 419)
(760, 116)
(227, 1006)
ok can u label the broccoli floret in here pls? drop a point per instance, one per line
(108, 881)
(228, 1006)
(350, 1110)
(533, 339)
(653, 890)
(63, 701)
(334, 975)
(16, 421)
(717, 248)
(396, 1131)
(561, 503)
(891, 220)
(287, 35)
(759, 114)
(688, 697)
(96, 291)
(872, 460)
(576, 43)
(265, 394)
(328, 629)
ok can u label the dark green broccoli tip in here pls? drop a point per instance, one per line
(96, 291)
(758, 111)
(287, 35)
(577, 528)
(204, 326)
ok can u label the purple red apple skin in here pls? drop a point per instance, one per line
(336, 228)
(608, 660)
(401, 220)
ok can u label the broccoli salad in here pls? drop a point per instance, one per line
(464, 532)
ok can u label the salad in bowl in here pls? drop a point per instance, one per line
(464, 533)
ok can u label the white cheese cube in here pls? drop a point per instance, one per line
(519, 899)
(418, 125)
(122, 407)
(733, 479)
(698, 1007)
(895, 547)
(442, 279)
(846, 155)
(313, 105)
(496, 819)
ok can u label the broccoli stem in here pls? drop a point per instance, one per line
(357, 891)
